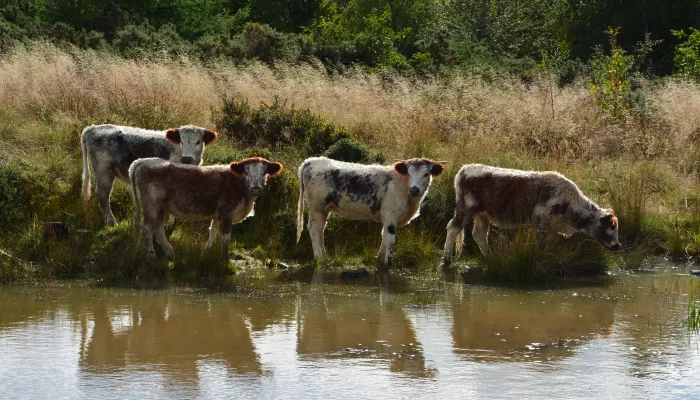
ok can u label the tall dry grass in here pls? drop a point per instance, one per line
(459, 118)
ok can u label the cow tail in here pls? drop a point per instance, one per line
(86, 168)
(459, 242)
(300, 206)
(135, 193)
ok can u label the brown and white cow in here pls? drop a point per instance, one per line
(389, 194)
(110, 149)
(507, 198)
(223, 193)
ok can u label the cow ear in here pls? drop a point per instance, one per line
(609, 219)
(273, 169)
(437, 169)
(210, 136)
(237, 168)
(173, 135)
(401, 168)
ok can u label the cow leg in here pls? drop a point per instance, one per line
(163, 238)
(104, 178)
(317, 226)
(388, 240)
(481, 233)
(455, 230)
(213, 232)
(150, 221)
(225, 232)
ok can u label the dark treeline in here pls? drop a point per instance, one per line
(403, 35)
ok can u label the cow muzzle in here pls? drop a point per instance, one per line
(256, 191)
(414, 191)
(187, 160)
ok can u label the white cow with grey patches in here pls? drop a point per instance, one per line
(507, 198)
(391, 195)
(110, 149)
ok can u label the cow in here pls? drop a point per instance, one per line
(110, 149)
(389, 194)
(223, 193)
(507, 198)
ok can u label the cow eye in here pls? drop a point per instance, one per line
(426, 175)
(198, 142)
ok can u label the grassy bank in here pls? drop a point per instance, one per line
(646, 165)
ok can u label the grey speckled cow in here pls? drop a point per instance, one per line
(389, 194)
(110, 149)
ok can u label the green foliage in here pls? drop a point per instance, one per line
(266, 44)
(276, 125)
(610, 80)
(140, 40)
(64, 33)
(23, 192)
(687, 58)
(523, 257)
(353, 151)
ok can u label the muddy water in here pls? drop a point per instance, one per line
(620, 338)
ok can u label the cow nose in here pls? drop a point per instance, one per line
(616, 247)
(256, 191)
(414, 191)
(187, 160)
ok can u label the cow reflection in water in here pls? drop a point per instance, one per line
(527, 326)
(169, 334)
(379, 330)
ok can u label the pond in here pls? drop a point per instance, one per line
(622, 336)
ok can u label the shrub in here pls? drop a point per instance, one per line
(353, 151)
(138, 40)
(687, 58)
(268, 45)
(610, 77)
(276, 125)
(23, 191)
(64, 33)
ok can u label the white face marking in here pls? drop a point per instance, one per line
(192, 143)
(256, 177)
(420, 177)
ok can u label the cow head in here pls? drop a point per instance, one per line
(419, 172)
(605, 230)
(191, 140)
(256, 170)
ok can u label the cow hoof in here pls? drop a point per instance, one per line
(56, 230)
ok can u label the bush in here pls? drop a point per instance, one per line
(352, 151)
(276, 125)
(64, 33)
(266, 44)
(23, 191)
(138, 40)
(610, 83)
(687, 58)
